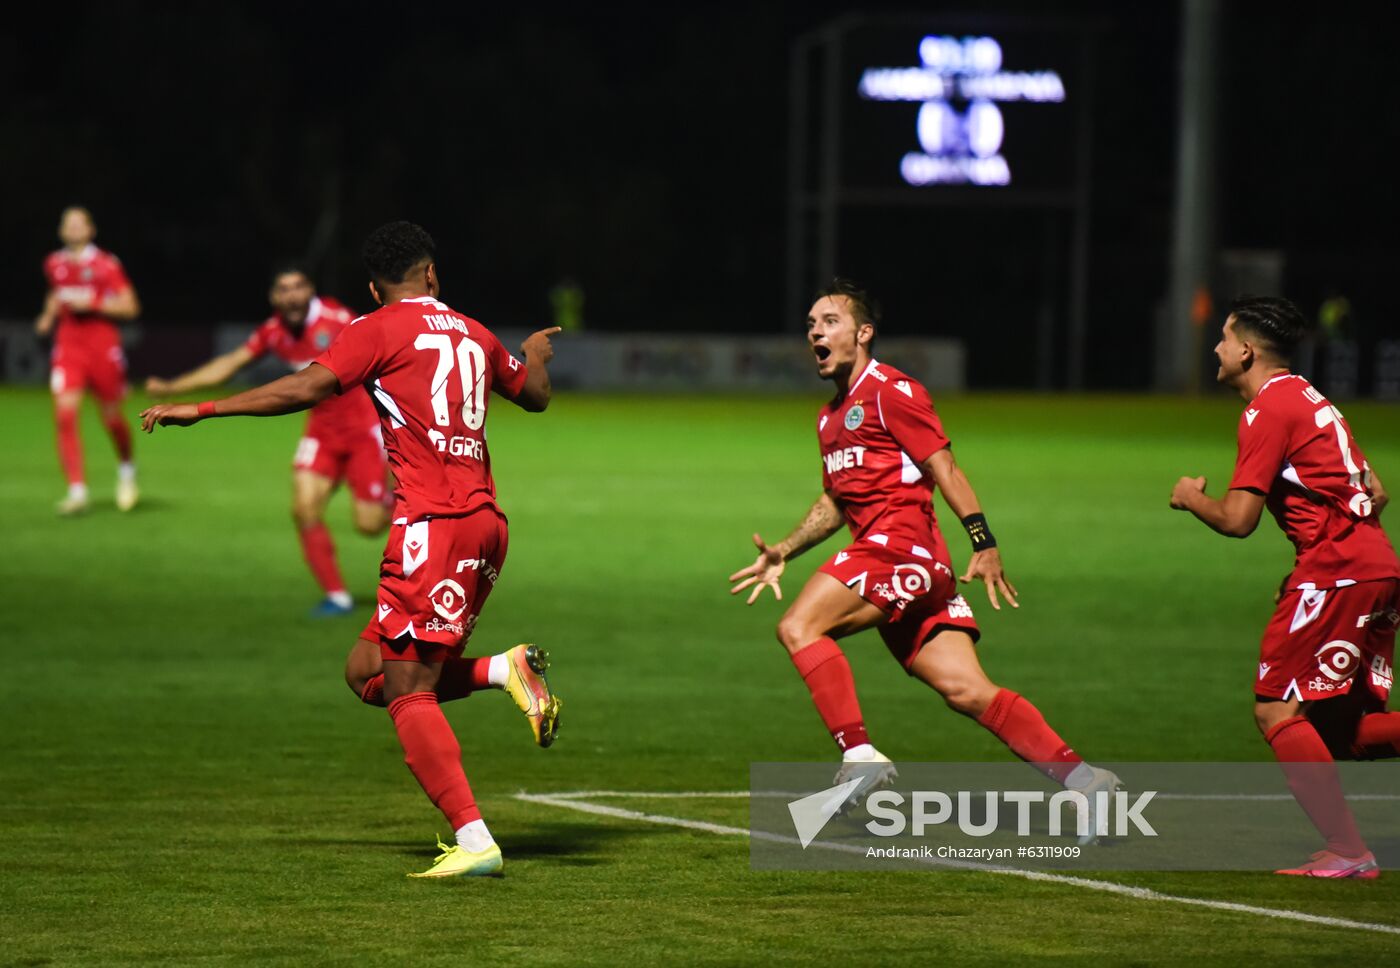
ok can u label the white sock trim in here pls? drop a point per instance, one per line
(498, 673)
(341, 598)
(474, 837)
(126, 471)
(1079, 777)
(863, 753)
(78, 491)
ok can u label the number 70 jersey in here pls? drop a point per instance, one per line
(1297, 450)
(430, 372)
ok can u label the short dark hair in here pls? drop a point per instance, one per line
(393, 249)
(1271, 321)
(287, 268)
(863, 307)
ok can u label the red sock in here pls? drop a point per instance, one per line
(1378, 736)
(120, 432)
(373, 692)
(319, 549)
(460, 678)
(70, 449)
(1312, 776)
(1012, 719)
(431, 751)
(824, 668)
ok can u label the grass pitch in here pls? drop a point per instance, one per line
(187, 780)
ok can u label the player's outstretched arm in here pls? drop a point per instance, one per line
(211, 374)
(122, 305)
(538, 351)
(1235, 515)
(298, 391)
(985, 563)
(821, 522)
(43, 325)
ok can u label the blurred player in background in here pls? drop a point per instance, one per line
(1325, 663)
(88, 293)
(342, 439)
(883, 452)
(430, 370)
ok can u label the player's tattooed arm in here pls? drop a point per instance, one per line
(211, 374)
(538, 351)
(1235, 515)
(298, 391)
(821, 522)
(985, 562)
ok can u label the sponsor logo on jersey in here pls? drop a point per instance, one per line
(384, 610)
(1386, 616)
(841, 558)
(844, 459)
(1337, 660)
(910, 581)
(415, 546)
(449, 599)
(821, 424)
(1319, 684)
(958, 608)
(457, 446)
(1381, 674)
(1249, 416)
(481, 565)
(903, 387)
(855, 417)
(436, 624)
(1263, 669)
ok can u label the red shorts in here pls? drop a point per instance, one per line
(918, 595)
(433, 581)
(99, 366)
(358, 460)
(1323, 641)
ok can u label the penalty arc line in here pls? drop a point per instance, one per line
(575, 802)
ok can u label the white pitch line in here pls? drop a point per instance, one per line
(576, 801)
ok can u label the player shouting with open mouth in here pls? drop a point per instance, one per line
(883, 451)
(430, 370)
(1325, 661)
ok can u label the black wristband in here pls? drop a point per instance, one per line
(978, 532)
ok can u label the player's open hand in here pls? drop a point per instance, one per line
(537, 345)
(763, 573)
(986, 565)
(1185, 490)
(157, 387)
(169, 415)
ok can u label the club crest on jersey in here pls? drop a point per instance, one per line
(323, 340)
(855, 417)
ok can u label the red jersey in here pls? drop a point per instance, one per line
(92, 275)
(337, 417)
(1295, 448)
(430, 370)
(873, 441)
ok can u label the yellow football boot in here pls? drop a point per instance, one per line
(454, 861)
(528, 687)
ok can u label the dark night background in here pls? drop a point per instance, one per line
(643, 152)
